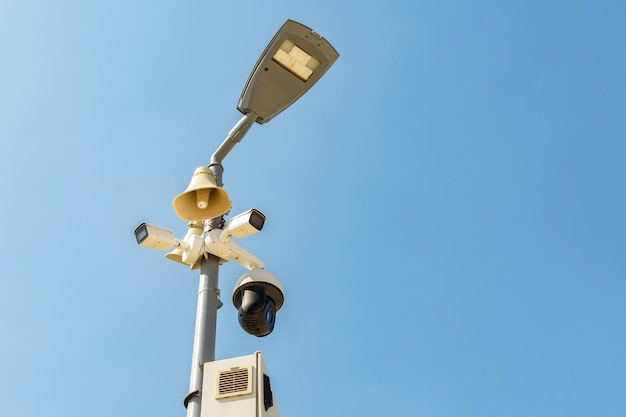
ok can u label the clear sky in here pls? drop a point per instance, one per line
(445, 208)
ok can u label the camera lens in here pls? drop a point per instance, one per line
(257, 313)
(270, 314)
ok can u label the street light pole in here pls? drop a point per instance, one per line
(204, 335)
(208, 289)
(293, 61)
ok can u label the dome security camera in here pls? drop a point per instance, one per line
(258, 295)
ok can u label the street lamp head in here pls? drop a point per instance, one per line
(294, 60)
(203, 199)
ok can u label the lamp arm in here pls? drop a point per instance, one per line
(234, 136)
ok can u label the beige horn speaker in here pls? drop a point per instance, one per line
(203, 199)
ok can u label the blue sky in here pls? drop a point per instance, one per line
(445, 207)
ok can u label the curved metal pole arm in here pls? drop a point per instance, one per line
(234, 136)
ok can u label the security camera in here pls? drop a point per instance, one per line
(242, 225)
(230, 249)
(155, 237)
(177, 254)
(258, 296)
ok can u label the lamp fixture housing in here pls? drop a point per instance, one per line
(293, 61)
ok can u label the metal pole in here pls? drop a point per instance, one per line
(234, 137)
(208, 303)
(204, 336)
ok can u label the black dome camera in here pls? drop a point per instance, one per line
(258, 295)
(257, 313)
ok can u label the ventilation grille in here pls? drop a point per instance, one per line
(234, 382)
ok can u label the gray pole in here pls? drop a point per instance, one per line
(208, 290)
(204, 336)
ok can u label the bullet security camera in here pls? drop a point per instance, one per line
(155, 237)
(257, 296)
(242, 225)
(177, 255)
(230, 249)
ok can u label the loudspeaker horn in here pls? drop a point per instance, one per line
(203, 199)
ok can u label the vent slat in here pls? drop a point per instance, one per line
(234, 382)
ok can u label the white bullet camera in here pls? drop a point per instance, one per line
(258, 296)
(155, 237)
(242, 225)
(219, 241)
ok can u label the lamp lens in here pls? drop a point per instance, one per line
(296, 60)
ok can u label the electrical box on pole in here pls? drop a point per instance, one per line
(238, 387)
